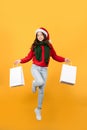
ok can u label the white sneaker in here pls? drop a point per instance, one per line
(38, 114)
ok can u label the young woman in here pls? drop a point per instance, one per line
(40, 53)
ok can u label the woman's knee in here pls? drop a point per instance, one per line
(40, 83)
(41, 90)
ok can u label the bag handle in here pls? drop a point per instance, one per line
(15, 65)
(69, 63)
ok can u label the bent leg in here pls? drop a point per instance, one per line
(38, 79)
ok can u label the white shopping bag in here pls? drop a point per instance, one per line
(16, 76)
(68, 74)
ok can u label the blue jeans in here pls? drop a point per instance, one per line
(40, 76)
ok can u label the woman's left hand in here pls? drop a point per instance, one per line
(67, 60)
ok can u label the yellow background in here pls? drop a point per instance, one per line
(64, 106)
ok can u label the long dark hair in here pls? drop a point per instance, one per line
(36, 42)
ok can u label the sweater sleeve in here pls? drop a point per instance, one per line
(28, 57)
(55, 56)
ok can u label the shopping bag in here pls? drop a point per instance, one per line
(68, 74)
(16, 76)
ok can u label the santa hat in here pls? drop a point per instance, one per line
(43, 30)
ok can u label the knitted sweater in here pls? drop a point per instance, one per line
(31, 55)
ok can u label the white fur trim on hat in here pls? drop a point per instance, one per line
(41, 30)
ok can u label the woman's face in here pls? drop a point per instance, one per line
(40, 36)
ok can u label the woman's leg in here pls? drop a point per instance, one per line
(38, 80)
(41, 88)
(40, 76)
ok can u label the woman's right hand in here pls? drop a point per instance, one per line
(17, 62)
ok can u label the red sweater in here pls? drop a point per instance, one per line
(42, 63)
